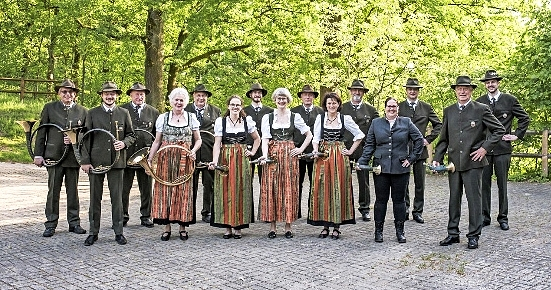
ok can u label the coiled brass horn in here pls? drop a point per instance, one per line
(442, 168)
(136, 165)
(140, 158)
(30, 134)
(101, 168)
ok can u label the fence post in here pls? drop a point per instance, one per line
(544, 153)
(22, 89)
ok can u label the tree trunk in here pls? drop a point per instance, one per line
(154, 58)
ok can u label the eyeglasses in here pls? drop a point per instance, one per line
(392, 106)
(235, 105)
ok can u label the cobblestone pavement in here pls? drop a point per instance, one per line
(516, 259)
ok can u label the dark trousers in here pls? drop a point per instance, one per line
(470, 179)
(55, 180)
(394, 186)
(259, 169)
(419, 173)
(500, 164)
(302, 167)
(145, 183)
(114, 181)
(363, 190)
(207, 178)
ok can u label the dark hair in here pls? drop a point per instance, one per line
(331, 95)
(241, 113)
(389, 99)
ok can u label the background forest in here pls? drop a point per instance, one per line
(227, 45)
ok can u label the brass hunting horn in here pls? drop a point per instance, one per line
(136, 165)
(30, 134)
(140, 158)
(101, 168)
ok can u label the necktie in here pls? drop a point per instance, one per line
(257, 109)
(308, 111)
(461, 107)
(412, 106)
(200, 114)
(67, 108)
(109, 111)
(355, 107)
(137, 111)
(493, 104)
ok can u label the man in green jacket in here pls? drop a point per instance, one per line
(100, 149)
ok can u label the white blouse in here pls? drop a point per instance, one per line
(251, 126)
(161, 120)
(349, 125)
(299, 124)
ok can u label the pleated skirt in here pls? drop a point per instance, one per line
(279, 186)
(233, 204)
(331, 201)
(173, 204)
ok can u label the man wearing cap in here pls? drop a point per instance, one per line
(421, 114)
(50, 144)
(100, 149)
(464, 137)
(256, 110)
(206, 114)
(308, 111)
(143, 120)
(505, 108)
(362, 113)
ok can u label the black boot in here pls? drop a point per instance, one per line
(379, 231)
(400, 231)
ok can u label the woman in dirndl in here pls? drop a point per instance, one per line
(233, 205)
(331, 201)
(175, 160)
(279, 187)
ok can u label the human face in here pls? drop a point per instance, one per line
(109, 98)
(281, 101)
(331, 105)
(235, 106)
(307, 99)
(412, 93)
(178, 103)
(391, 109)
(137, 97)
(66, 95)
(357, 95)
(200, 99)
(463, 93)
(256, 96)
(491, 86)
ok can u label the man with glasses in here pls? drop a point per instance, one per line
(308, 111)
(50, 144)
(206, 114)
(464, 137)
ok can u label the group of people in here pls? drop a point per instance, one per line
(193, 140)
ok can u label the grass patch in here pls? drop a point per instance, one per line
(13, 146)
(443, 262)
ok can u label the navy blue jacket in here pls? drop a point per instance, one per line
(389, 146)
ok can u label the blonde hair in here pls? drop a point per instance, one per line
(282, 92)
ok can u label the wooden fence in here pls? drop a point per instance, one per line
(23, 84)
(544, 154)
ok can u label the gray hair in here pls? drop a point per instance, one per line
(282, 92)
(179, 92)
